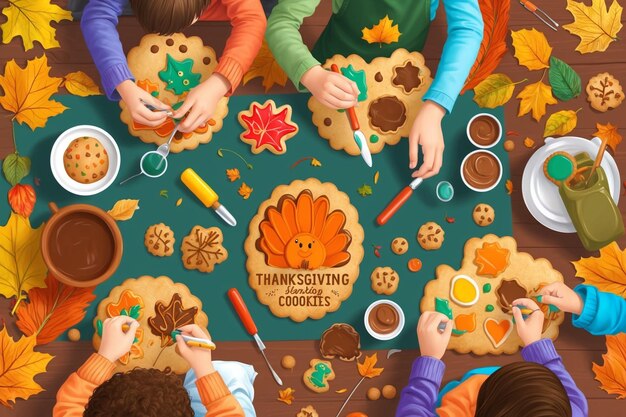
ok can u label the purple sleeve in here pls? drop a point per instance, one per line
(419, 397)
(544, 353)
(99, 27)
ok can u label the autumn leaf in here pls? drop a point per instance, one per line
(315, 162)
(52, 310)
(367, 367)
(612, 374)
(529, 143)
(27, 92)
(534, 98)
(81, 84)
(611, 134)
(564, 80)
(233, 174)
(509, 187)
(124, 209)
(495, 16)
(595, 25)
(561, 123)
(31, 20)
(606, 272)
(494, 91)
(286, 395)
(376, 177)
(364, 190)
(19, 364)
(383, 32)
(245, 191)
(22, 199)
(266, 67)
(23, 267)
(15, 167)
(531, 48)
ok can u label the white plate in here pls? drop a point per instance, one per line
(542, 196)
(61, 144)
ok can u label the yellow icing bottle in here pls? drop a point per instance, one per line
(206, 195)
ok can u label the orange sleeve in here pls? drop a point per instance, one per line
(461, 400)
(248, 21)
(77, 389)
(216, 397)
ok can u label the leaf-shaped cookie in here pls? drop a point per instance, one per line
(494, 91)
(170, 317)
(612, 373)
(595, 25)
(535, 97)
(266, 67)
(383, 32)
(81, 84)
(561, 123)
(531, 48)
(564, 80)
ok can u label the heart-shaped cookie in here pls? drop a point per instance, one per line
(498, 331)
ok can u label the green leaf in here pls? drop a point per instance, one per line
(364, 190)
(564, 80)
(163, 193)
(561, 123)
(220, 153)
(123, 312)
(494, 91)
(134, 311)
(99, 327)
(15, 168)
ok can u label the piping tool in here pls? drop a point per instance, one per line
(206, 195)
(359, 137)
(194, 341)
(244, 315)
(539, 14)
(397, 202)
(150, 107)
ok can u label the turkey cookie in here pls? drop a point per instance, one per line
(385, 280)
(168, 67)
(604, 92)
(267, 127)
(430, 236)
(159, 240)
(483, 214)
(399, 246)
(85, 160)
(317, 376)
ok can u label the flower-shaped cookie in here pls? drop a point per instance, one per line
(202, 249)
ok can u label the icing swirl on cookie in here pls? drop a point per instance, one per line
(387, 113)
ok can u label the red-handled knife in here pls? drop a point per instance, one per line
(244, 315)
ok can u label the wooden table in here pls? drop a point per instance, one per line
(578, 348)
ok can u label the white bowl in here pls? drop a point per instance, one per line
(59, 148)
(387, 336)
(467, 131)
(481, 190)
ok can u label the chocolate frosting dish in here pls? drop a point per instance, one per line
(484, 130)
(481, 170)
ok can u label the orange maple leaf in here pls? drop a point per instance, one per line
(491, 259)
(245, 191)
(612, 374)
(606, 272)
(286, 395)
(367, 368)
(266, 67)
(610, 133)
(27, 92)
(233, 174)
(509, 184)
(52, 310)
(383, 32)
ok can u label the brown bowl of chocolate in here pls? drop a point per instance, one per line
(384, 320)
(81, 244)
(484, 130)
(481, 170)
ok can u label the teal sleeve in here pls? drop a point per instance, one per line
(603, 312)
(284, 39)
(465, 33)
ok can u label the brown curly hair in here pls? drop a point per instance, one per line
(166, 17)
(140, 393)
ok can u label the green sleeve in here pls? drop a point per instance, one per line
(284, 39)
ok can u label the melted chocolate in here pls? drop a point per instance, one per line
(507, 292)
(387, 113)
(407, 77)
(378, 77)
(341, 340)
(384, 319)
(481, 170)
(81, 246)
(484, 130)
(170, 317)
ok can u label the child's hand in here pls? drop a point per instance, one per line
(560, 295)
(432, 342)
(115, 341)
(199, 358)
(529, 330)
(426, 132)
(331, 89)
(201, 102)
(132, 96)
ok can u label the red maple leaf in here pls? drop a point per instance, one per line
(266, 127)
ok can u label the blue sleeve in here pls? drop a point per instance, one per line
(603, 312)
(465, 33)
(419, 397)
(99, 27)
(544, 353)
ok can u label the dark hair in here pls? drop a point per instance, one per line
(140, 393)
(523, 389)
(167, 16)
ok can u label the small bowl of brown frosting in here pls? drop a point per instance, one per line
(481, 170)
(384, 320)
(484, 130)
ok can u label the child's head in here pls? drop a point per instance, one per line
(523, 389)
(167, 16)
(140, 392)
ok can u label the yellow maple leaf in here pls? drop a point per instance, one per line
(31, 19)
(532, 49)
(611, 134)
(595, 25)
(383, 32)
(81, 84)
(606, 272)
(233, 174)
(124, 209)
(19, 364)
(23, 266)
(534, 98)
(367, 367)
(286, 395)
(244, 191)
(27, 92)
(266, 67)
(612, 374)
